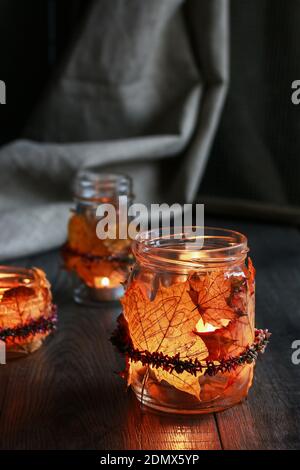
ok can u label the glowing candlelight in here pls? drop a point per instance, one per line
(107, 288)
(105, 282)
(101, 282)
(204, 327)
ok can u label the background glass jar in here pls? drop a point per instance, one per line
(186, 308)
(99, 267)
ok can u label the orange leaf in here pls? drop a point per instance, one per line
(165, 324)
(229, 384)
(83, 239)
(251, 276)
(185, 382)
(238, 299)
(219, 343)
(21, 304)
(242, 330)
(230, 340)
(209, 293)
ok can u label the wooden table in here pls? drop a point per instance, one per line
(67, 395)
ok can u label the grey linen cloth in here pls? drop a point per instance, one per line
(140, 92)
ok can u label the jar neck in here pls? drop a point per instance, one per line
(92, 187)
(185, 251)
(11, 277)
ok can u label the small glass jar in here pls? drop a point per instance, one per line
(27, 315)
(190, 318)
(99, 266)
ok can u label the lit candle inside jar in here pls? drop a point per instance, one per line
(101, 282)
(204, 328)
(27, 314)
(98, 265)
(187, 327)
(106, 289)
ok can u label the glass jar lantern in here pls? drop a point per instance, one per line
(27, 314)
(188, 321)
(99, 266)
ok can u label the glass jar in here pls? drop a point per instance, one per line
(27, 315)
(189, 315)
(99, 266)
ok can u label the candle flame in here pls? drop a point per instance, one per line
(101, 282)
(204, 327)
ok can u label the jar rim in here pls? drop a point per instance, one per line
(12, 276)
(94, 184)
(210, 247)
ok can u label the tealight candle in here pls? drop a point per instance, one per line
(187, 326)
(106, 289)
(99, 266)
(27, 314)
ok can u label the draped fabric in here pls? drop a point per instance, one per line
(140, 90)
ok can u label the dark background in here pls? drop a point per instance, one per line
(34, 36)
(255, 156)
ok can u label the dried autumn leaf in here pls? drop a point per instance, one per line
(209, 293)
(90, 270)
(83, 239)
(21, 304)
(234, 383)
(165, 324)
(21, 291)
(91, 258)
(214, 387)
(242, 332)
(251, 276)
(234, 337)
(238, 299)
(219, 343)
(230, 340)
(249, 297)
(185, 382)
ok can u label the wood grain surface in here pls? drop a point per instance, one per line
(68, 395)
